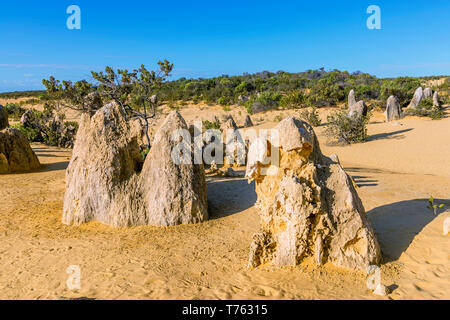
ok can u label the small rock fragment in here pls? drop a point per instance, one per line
(381, 290)
(446, 230)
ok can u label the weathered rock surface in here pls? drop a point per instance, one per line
(101, 176)
(242, 99)
(93, 101)
(446, 226)
(258, 107)
(428, 93)
(172, 193)
(15, 152)
(308, 207)
(351, 98)
(235, 149)
(393, 110)
(104, 181)
(137, 127)
(229, 123)
(417, 98)
(248, 122)
(381, 290)
(359, 108)
(436, 102)
(3, 118)
(26, 118)
(51, 127)
(215, 119)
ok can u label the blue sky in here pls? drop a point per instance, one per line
(210, 38)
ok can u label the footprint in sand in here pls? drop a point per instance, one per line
(267, 291)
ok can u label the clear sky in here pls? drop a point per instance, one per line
(210, 38)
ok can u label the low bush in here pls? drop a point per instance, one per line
(278, 118)
(293, 100)
(347, 129)
(426, 109)
(210, 125)
(48, 128)
(14, 111)
(269, 98)
(436, 114)
(224, 101)
(32, 134)
(311, 116)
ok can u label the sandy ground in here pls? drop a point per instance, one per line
(401, 165)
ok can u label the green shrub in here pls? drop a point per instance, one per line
(45, 127)
(426, 103)
(210, 125)
(21, 94)
(243, 88)
(14, 111)
(51, 135)
(32, 134)
(292, 100)
(269, 98)
(278, 118)
(29, 101)
(224, 101)
(347, 129)
(436, 114)
(144, 153)
(311, 116)
(427, 109)
(248, 105)
(195, 99)
(403, 88)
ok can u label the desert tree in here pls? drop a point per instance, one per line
(146, 85)
(134, 92)
(80, 95)
(116, 86)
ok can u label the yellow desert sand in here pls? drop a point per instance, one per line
(402, 164)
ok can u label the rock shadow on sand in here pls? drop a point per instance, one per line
(397, 135)
(229, 196)
(55, 166)
(397, 224)
(365, 181)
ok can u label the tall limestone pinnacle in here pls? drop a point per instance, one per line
(309, 207)
(107, 179)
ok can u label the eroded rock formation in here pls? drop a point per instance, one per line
(108, 181)
(51, 127)
(417, 98)
(15, 152)
(359, 108)
(351, 98)
(172, 193)
(446, 226)
(309, 207)
(436, 102)
(393, 110)
(229, 124)
(428, 93)
(258, 107)
(102, 174)
(234, 144)
(248, 122)
(3, 118)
